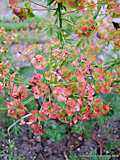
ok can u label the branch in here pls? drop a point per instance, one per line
(22, 118)
(43, 6)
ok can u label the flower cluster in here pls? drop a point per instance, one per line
(16, 108)
(87, 27)
(38, 87)
(4, 70)
(39, 62)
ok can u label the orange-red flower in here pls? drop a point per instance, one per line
(73, 106)
(39, 90)
(37, 129)
(19, 92)
(39, 62)
(36, 79)
(37, 116)
(61, 93)
(16, 109)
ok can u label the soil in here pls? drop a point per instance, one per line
(27, 146)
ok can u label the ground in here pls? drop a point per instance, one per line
(26, 146)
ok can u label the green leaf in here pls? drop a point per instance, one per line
(49, 2)
(61, 104)
(112, 144)
(71, 68)
(29, 9)
(30, 103)
(73, 156)
(54, 131)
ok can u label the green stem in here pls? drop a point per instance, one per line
(97, 13)
(60, 14)
(16, 122)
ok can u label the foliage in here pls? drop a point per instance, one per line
(112, 145)
(54, 131)
(73, 156)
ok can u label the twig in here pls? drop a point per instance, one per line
(38, 4)
(42, 157)
(85, 7)
(43, 6)
(65, 156)
(22, 118)
(98, 141)
(38, 9)
(69, 12)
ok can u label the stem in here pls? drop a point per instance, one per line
(97, 13)
(22, 118)
(38, 104)
(43, 6)
(60, 14)
(38, 4)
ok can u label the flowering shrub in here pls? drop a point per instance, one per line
(70, 88)
(66, 85)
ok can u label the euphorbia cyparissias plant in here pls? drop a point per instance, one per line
(70, 88)
(68, 84)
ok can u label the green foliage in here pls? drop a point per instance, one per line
(103, 119)
(10, 153)
(3, 114)
(54, 131)
(2, 133)
(49, 2)
(94, 156)
(16, 129)
(97, 157)
(12, 25)
(114, 100)
(112, 144)
(61, 104)
(30, 103)
(29, 9)
(2, 104)
(84, 128)
(73, 156)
